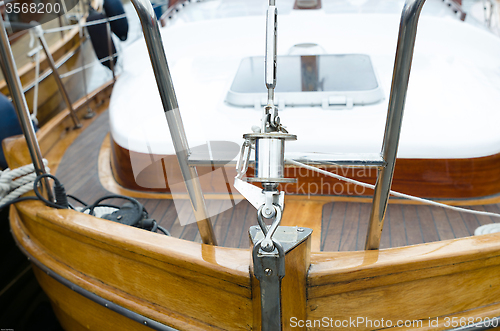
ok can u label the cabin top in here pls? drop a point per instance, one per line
(451, 107)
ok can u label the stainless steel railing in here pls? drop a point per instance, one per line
(16, 90)
(165, 86)
(402, 66)
(401, 75)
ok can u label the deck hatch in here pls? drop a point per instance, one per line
(308, 80)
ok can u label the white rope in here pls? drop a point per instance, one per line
(394, 193)
(16, 182)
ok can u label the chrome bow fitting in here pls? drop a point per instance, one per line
(268, 142)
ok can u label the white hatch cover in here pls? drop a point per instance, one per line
(308, 80)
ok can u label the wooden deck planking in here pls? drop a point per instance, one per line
(150, 205)
(250, 220)
(158, 213)
(335, 227)
(184, 215)
(482, 219)
(412, 223)
(223, 221)
(385, 240)
(169, 217)
(325, 222)
(350, 226)
(397, 226)
(457, 223)
(470, 222)
(427, 225)
(443, 226)
(237, 231)
(492, 209)
(343, 225)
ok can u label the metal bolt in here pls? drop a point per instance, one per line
(267, 246)
(145, 322)
(268, 212)
(300, 230)
(119, 217)
(268, 272)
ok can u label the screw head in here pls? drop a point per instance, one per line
(268, 272)
(119, 217)
(268, 212)
(300, 229)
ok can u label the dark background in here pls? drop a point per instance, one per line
(23, 304)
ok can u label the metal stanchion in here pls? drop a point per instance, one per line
(110, 51)
(402, 67)
(16, 90)
(165, 86)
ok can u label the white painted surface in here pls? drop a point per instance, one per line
(452, 108)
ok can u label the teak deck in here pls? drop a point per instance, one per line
(343, 224)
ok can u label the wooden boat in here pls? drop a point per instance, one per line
(430, 275)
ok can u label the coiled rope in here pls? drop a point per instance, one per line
(16, 182)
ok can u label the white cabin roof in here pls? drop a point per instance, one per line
(452, 106)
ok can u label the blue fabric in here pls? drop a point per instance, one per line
(119, 27)
(9, 124)
(99, 38)
(158, 11)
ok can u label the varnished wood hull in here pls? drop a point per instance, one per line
(191, 286)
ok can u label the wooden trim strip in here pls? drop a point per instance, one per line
(228, 265)
(363, 269)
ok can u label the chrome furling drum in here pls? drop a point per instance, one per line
(268, 141)
(270, 158)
